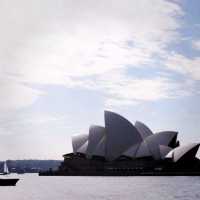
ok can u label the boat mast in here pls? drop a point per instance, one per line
(5, 168)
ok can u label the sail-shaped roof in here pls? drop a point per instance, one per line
(143, 151)
(184, 152)
(78, 141)
(96, 133)
(164, 150)
(131, 152)
(161, 138)
(83, 148)
(121, 138)
(143, 129)
(100, 148)
(120, 135)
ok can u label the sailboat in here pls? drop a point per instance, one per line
(7, 181)
(5, 169)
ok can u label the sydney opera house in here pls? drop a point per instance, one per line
(121, 148)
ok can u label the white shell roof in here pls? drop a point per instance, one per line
(96, 133)
(83, 148)
(143, 129)
(131, 152)
(100, 148)
(161, 138)
(143, 150)
(78, 141)
(179, 152)
(120, 135)
(164, 150)
(170, 154)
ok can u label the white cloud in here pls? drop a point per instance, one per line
(61, 42)
(14, 95)
(190, 67)
(121, 89)
(196, 44)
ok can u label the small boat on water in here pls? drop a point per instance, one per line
(7, 181)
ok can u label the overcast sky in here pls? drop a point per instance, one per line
(63, 62)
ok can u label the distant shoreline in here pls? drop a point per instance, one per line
(30, 165)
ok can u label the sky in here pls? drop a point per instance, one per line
(63, 62)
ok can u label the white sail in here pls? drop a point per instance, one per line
(5, 168)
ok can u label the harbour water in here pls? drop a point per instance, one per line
(33, 187)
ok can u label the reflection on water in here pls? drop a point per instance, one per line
(33, 187)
